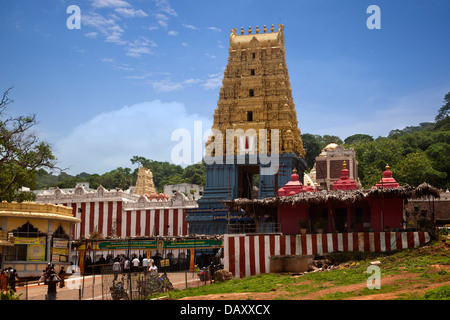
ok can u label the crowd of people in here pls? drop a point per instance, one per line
(136, 264)
(8, 279)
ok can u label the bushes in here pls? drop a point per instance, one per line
(441, 293)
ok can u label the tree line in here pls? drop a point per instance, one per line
(416, 154)
(164, 173)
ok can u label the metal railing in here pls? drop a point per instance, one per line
(245, 228)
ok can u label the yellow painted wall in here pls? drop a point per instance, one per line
(14, 223)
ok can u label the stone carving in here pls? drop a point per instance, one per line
(144, 183)
(257, 80)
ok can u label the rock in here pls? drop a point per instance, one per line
(222, 275)
(375, 262)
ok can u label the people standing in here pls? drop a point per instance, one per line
(126, 265)
(150, 261)
(13, 276)
(47, 272)
(116, 268)
(153, 269)
(62, 275)
(135, 264)
(52, 282)
(42, 278)
(145, 263)
(3, 280)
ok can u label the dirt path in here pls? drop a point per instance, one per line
(414, 283)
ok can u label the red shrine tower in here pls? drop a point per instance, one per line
(344, 182)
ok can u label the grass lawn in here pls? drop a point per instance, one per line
(408, 271)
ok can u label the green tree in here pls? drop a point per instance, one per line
(313, 145)
(417, 168)
(373, 156)
(444, 111)
(195, 174)
(22, 154)
(358, 138)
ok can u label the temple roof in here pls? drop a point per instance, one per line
(259, 207)
(244, 40)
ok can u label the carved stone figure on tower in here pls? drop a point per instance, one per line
(144, 183)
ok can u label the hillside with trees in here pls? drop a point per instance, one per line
(164, 173)
(416, 154)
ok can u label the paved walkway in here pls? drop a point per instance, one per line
(93, 287)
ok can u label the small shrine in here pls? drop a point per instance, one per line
(328, 165)
(344, 182)
(387, 181)
(294, 186)
(344, 209)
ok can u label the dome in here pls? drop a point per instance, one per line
(331, 146)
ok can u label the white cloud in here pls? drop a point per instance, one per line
(139, 47)
(166, 85)
(213, 82)
(131, 13)
(109, 3)
(215, 29)
(164, 6)
(91, 34)
(111, 139)
(162, 20)
(107, 27)
(107, 60)
(172, 33)
(189, 26)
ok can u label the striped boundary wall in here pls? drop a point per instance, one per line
(247, 255)
(104, 216)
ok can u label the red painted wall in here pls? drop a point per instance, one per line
(392, 213)
(289, 217)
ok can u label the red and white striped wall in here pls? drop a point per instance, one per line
(247, 255)
(107, 216)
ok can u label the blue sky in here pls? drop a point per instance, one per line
(138, 70)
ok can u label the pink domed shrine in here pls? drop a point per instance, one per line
(344, 182)
(387, 181)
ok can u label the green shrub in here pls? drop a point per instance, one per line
(441, 293)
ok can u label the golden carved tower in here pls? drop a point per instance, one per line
(144, 182)
(256, 91)
(255, 95)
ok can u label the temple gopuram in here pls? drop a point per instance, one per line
(255, 136)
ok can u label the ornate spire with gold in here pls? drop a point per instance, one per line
(256, 91)
(144, 183)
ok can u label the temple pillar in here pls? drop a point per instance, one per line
(49, 247)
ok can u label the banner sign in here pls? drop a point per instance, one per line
(23, 240)
(35, 252)
(60, 243)
(156, 244)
